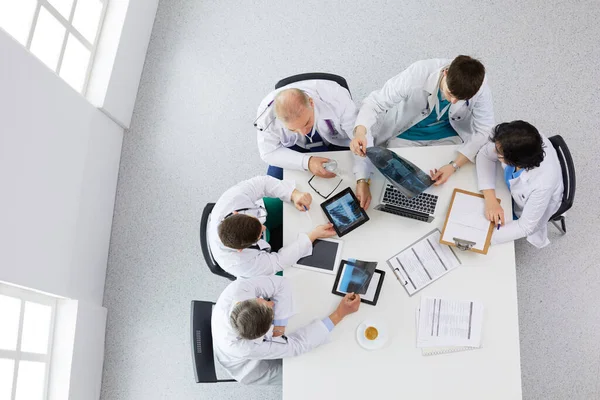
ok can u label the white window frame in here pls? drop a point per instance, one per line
(18, 355)
(68, 24)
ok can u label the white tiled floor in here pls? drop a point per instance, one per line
(210, 63)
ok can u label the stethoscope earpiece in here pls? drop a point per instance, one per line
(255, 123)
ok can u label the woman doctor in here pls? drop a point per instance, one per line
(533, 175)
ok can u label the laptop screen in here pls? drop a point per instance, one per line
(404, 175)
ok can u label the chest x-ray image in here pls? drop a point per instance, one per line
(409, 179)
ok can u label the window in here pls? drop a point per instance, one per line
(27, 320)
(63, 34)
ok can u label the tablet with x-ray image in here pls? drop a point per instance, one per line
(344, 212)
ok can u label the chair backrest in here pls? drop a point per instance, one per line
(202, 343)
(568, 173)
(311, 76)
(210, 261)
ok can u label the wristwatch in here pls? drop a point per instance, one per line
(367, 181)
(454, 165)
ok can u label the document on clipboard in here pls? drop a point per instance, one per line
(466, 226)
(423, 262)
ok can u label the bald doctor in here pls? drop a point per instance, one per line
(305, 117)
(249, 328)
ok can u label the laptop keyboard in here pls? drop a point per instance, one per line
(423, 203)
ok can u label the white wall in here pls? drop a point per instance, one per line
(120, 57)
(59, 160)
(88, 352)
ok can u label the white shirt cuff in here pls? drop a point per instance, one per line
(305, 162)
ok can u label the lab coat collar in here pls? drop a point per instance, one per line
(432, 86)
(322, 109)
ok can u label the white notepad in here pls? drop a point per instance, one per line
(423, 262)
(466, 220)
(446, 326)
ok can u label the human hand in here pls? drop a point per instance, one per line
(442, 175)
(322, 231)
(494, 211)
(363, 194)
(348, 305)
(301, 200)
(315, 165)
(358, 145)
(278, 331)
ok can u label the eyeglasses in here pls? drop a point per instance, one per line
(321, 194)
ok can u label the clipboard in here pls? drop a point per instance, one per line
(464, 243)
(415, 270)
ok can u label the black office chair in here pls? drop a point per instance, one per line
(568, 173)
(210, 261)
(202, 343)
(313, 75)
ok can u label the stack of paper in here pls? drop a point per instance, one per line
(446, 326)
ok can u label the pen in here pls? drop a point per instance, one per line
(498, 223)
(498, 227)
(307, 214)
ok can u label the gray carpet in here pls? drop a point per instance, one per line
(210, 63)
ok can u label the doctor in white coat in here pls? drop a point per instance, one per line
(248, 328)
(533, 175)
(235, 230)
(304, 117)
(432, 102)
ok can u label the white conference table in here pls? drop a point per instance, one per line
(341, 369)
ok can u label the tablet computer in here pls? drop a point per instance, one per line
(344, 212)
(325, 257)
(371, 294)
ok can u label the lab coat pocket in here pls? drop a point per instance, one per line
(459, 113)
(519, 197)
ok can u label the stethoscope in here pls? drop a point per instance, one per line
(263, 113)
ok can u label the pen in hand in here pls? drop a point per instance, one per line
(498, 223)
(307, 214)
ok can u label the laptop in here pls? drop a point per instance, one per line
(421, 207)
(403, 194)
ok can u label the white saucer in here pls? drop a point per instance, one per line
(372, 344)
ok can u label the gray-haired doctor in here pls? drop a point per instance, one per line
(249, 328)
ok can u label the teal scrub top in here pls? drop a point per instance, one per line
(431, 128)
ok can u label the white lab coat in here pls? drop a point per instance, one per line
(537, 195)
(410, 96)
(256, 361)
(254, 262)
(331, 101)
